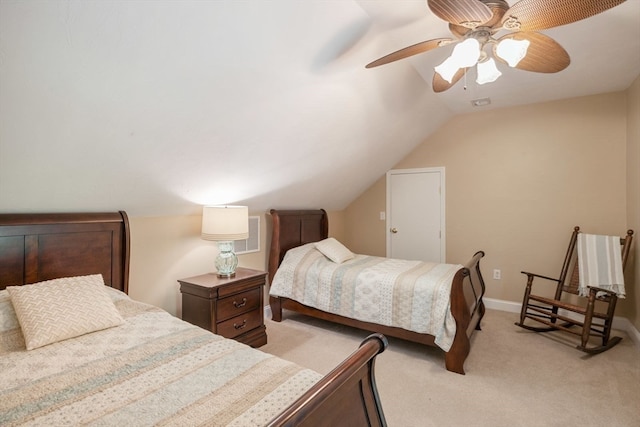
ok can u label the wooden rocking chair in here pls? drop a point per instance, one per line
(568, 309)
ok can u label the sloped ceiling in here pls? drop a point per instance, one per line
(159, 107)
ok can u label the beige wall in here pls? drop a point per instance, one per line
(517, 181)
(165, 249)
(633, 200)
(366, 232)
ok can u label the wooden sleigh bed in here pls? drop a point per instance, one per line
(40, 247)
(294, 228)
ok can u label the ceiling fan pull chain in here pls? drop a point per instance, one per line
(465, 79)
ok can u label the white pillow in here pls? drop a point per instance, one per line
(64, 308)
(8, 319)
(10, 334)
(334, 250)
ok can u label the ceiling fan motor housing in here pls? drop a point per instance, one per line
(499, 8)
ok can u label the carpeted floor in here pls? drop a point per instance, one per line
(514, 377)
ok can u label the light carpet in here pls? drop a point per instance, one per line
(513, 377)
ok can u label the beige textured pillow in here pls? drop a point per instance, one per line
(65, 308)
(334, 250)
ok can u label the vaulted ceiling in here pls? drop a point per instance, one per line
(159, 107)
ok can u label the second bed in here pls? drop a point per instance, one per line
(429, 303)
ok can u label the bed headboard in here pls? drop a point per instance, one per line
(292, 228)
(37, 247)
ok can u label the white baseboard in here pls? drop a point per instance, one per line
(620, 323)
(500, 305)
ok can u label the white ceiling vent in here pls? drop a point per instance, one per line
(481, 102)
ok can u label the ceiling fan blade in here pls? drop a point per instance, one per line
(498, 10)
(440, 84)
(533, 15)
(544, 54)
(458, 30)
(410, 51)
(467, 13)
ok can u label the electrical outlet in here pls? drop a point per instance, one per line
(497, 274)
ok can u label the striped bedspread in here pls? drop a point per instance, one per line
(412, 295)
(153, 370)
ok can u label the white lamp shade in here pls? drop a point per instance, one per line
(447, 69)
(224, 223)
(465, 54)
(512, 51)
(487, 72)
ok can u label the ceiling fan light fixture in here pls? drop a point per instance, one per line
(487, 72)
(473, 23)
(447, 69)
(512, 51)
(465, 54)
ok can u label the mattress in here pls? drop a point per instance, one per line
(412, 295)
(153, 369)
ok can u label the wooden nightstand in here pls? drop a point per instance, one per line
(230, 307)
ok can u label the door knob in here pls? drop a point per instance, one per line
(394, 230)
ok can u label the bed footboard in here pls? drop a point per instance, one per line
(467, 309)
(347, 396)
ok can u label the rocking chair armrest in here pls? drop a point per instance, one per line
(531, 275)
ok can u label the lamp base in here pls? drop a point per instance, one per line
(227, 261)
(226, 276)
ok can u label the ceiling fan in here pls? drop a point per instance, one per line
(475, 23)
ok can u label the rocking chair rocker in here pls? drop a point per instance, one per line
(567, 309)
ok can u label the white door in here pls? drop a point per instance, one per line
(415, 214)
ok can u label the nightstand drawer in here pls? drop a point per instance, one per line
(240, 324)
(228, 306)
(237, 304)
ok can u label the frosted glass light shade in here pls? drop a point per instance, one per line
(487, 72)
(465, 54)
(447, 69)
(512, 51)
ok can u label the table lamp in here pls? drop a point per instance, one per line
(224, 224)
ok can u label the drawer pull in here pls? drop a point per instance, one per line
(240, 304)
(240, 326)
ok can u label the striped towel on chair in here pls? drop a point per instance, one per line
(600, 263)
